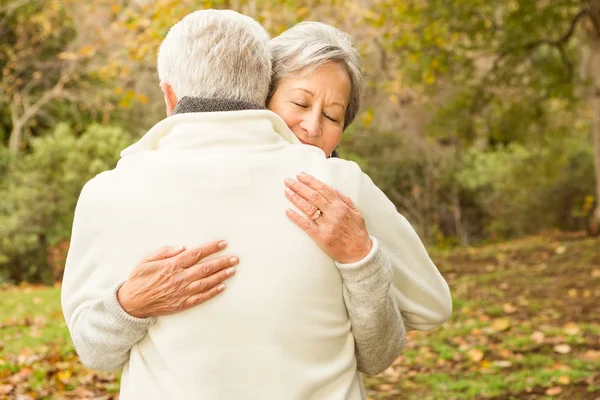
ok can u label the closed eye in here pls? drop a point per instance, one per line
(330, 118)
(300, 104)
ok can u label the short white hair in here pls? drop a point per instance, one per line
(217, 54)
(309, 45)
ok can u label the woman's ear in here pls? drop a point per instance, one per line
(170, 97)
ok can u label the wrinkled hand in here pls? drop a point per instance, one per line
(333, 221)
(175, 279)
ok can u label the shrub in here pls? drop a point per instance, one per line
(38, 194)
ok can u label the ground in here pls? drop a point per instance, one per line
(526, 325)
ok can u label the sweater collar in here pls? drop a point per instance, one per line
(199, 104)
(215, 124)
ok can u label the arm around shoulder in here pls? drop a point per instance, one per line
(102, 332)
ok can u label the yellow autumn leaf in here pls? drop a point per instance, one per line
(571, 328)
(64, 375)
(564, 380)
(501, 324)
(475, 355)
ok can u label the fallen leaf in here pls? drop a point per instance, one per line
(6, 389)
(538, 337)
(505, 353)
(571, 328)
(386, 387)
(564, 380)
(475, 355)
(64, 375)
(554, 391)
(562, 348)
(560, 250)
(572, 293)
(592, 355)
(596, 273)
(502, 363)
(509, 308)
(501, 324)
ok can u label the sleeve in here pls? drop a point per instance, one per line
(102, 332)
(377, 325)
(421, 293)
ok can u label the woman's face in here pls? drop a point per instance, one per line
(314, 105)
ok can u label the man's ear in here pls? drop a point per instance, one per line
(170, 97)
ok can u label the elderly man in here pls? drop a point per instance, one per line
(214, 170)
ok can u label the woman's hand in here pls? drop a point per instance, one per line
(333, 221)
(174, 279)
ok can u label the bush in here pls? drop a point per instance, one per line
(38, 195)
(524, 190)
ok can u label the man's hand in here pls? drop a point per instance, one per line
(175, 279)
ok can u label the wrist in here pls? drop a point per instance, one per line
(361, 251)
(125, 300)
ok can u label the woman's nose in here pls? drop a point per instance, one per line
(311, 123)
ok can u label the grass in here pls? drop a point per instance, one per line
(526, 325)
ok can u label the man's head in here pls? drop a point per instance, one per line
(215, 54)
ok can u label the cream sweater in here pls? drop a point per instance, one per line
(281, 329)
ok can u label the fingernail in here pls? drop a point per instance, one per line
(302, 175)
(233, 260)
(230, 271)
(179, 248)
(222, 244)
(289, 181)
(221, 287)
(289, 191)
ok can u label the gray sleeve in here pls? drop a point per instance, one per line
(103, 333)
(377, 324)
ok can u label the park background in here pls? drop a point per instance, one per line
(481, 122)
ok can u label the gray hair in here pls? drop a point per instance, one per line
(217, 54)
(310, 45)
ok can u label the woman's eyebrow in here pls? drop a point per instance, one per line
(333, 103)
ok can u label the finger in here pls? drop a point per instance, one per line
(310, 210)
(205, 284)
(203, 297)
(307, 225)
(163, 253)
(346, 199)
(207, 268)
(193, 255)
(313, 183)
(309, 194)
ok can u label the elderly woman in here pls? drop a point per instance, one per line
(316, 90)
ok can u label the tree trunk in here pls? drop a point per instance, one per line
(14, 140)
(594, 226)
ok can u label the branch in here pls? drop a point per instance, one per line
(31, 111)
(595, 15)
(558, 42)
(480, 100)
(11, 8)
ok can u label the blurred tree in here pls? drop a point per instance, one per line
(495, 73)
(39, 196)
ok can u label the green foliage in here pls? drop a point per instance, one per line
(525, 189)
(39, 196)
